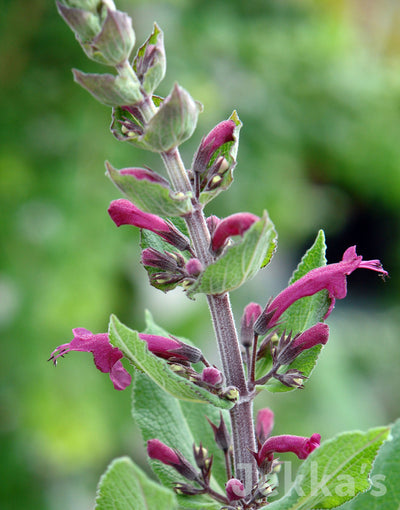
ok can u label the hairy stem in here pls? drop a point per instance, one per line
(225, 331)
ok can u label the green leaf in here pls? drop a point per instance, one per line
(174, 121)
(109, 89)
(335, 472)
(229, 152)
(157, 369)
(239, 262)
(303, 314)
(384, 493)
(126, 487)
(149, 196)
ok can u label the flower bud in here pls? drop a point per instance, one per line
(221, 134)
(316, 335)
(150, 62)
(174, 121)
(292, 378)
(233, 225)
(264, 424)
(85, 24)
(171, 457)
(171, 348)
(194, 267)
(231, 393)
(221, 434)
(212, 223)
(172, 262)
(115, 41)
(235, 489)
(212, 376)
(250, 315)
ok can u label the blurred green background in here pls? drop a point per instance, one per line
(317, 86)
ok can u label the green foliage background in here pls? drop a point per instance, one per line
(317, 86)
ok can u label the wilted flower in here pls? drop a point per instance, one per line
(106, 357)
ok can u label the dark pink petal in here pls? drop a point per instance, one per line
(194, 267)
(221, 134)
(106, 357)
(123, 212)
(233, 225)
(300, 446)
(235, 489)
(160, 451)
(331, 277)
(317, 334)
(264, 424)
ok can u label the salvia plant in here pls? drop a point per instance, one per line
(203, 442)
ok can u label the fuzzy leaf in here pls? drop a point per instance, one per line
(335, 472)
(239, 262)
(229, 152)
(124, 486)
(157, 369)
(385, 491)
(149, 196)
(303, 314)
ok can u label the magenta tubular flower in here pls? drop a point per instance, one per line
(106, 357)
(250, 314)
(331, 277)
(300, 446)
(316, 335)
(221, 134)
(171, 348)
(264, 424)
(233, 225)
(123, 212)
(171, 457)
(234, 489)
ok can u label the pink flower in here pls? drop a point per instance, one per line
(106, 357)
(171, 457)
(250, 314)
(145, 174)
(171, 348)
(123, 212)
(289, 349)
(264, 424)
(221, 134)
(233, 225)
(300, 446)
(234, 489)
(331, 277)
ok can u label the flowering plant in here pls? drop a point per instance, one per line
(203, 442)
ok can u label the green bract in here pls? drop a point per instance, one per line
(109, 89)
(149, 196)
(150, 62)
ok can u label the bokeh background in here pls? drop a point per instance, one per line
(317, 86)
